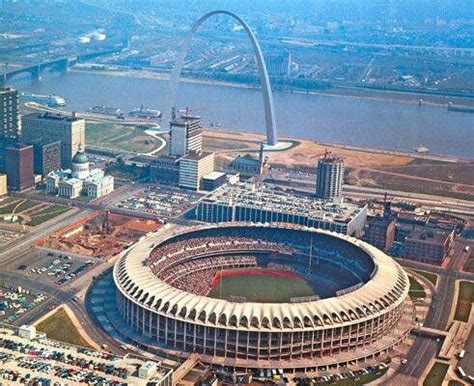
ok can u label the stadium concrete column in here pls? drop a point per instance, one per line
(262, 69)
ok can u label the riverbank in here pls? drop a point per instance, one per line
(336, 91)
(228, 141)
(390, 170)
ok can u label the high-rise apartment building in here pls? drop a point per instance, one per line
(48, 127)
(9, 114)
(186, 135)
(329, 177)
(19, 166)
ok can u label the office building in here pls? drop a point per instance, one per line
(329, 177)
(47, 157)
(263, 203)
(165, 170)
(185, 135)
(19, 166)
(428, 245)
(381, 232)
(193, 167)
(212, 181)
(3, 145)
(49, 127)
(3, 185)
(9, 113)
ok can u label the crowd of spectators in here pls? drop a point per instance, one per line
(167, 255)
(196, 276)
(191, 261)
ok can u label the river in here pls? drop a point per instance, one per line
(345, 120)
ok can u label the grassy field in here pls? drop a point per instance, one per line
(432, 277)
(60, 327)
(464, 302)
(416, 289)
(436, 375)
(116, 136)
(47, 214)
(7, 209)
(261, 288)
(25, 205)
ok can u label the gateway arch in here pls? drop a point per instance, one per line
(264, 78)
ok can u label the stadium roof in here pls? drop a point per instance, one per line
(387, 289)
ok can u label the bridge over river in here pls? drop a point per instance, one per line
(60, 65)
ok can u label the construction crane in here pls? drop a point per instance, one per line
(187, 111)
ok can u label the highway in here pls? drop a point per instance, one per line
(424, 348)
(25, 243)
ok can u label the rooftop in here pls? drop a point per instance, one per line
(263, 196)
(18, 145)
(214, 175)
(430, 235)
(196, 156)
(381, 220)
(185, 119)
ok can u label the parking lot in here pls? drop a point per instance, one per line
(162, 201)
(52, 268)
(14, 301)
(23, 361)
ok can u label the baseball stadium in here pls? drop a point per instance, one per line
(264, 296)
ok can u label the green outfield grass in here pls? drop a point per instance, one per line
(261, 288)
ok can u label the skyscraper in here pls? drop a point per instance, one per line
(329, 177)
(193, 167)
(19, 166)
(48, 127)
(186, 134)
(9, 117)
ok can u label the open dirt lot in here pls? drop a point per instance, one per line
(102, 234)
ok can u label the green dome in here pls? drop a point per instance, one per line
(80, 157)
